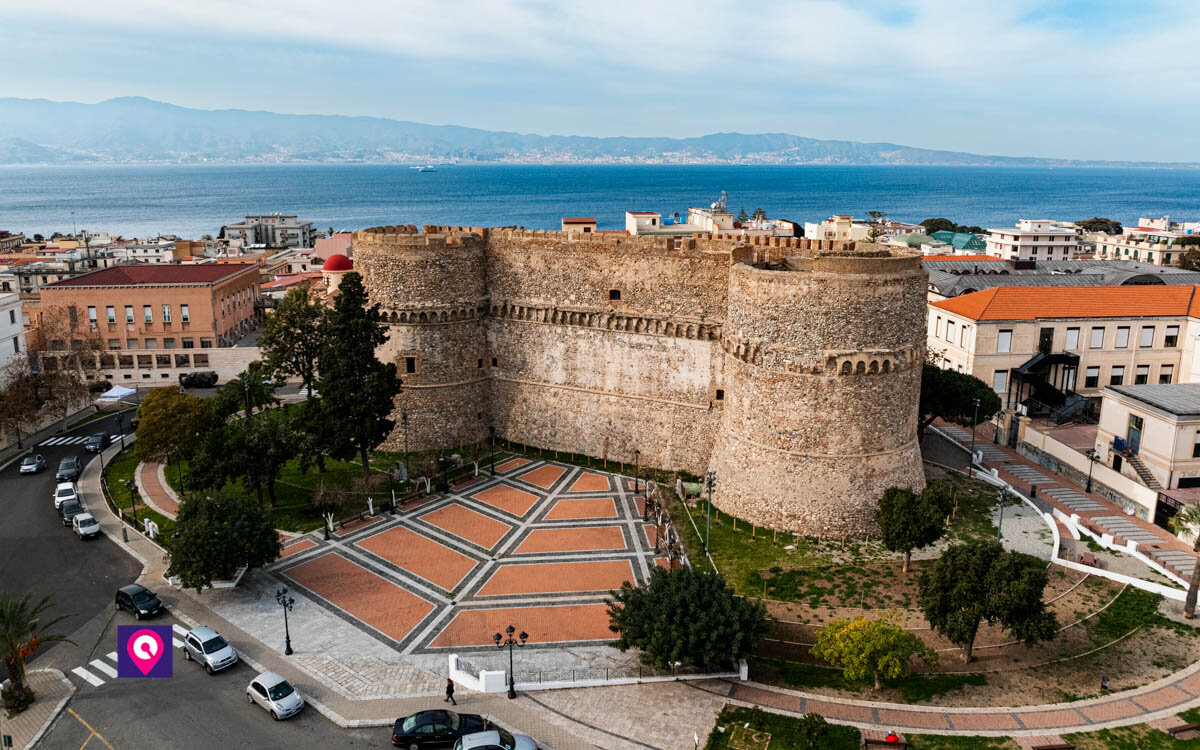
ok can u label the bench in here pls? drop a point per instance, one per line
(466, 480)
(412, 495)
(1183, 729)
(1087, 558)
(1056, 746)
(871, 742)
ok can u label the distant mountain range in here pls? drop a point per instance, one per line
(135, 130)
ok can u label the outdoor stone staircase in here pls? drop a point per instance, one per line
(1143, 471)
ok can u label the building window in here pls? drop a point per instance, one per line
(1196, 446)
(1000, 381)
(166, 315)
(1097, 340)
(73, 315)
(950, 331)
(16, 344)
(962, 339)
(131, 343)
(1172, 337)
(111, 312)
(1072, 339)
(1004, 341)
(189, 343)
(479, 364)
(720, 394)
(114, 343)
(1122, 337)
(205, 343)
(151, 343)
(1147, 337)
(1165, 374)
(410, 364)
(148, 313)
(168, 343)
(129, 313)
(184, 314)
(937, 327)
(1091, 378)
(614, 295)
(1117, 375)
(1141, 375)
(494, 362)
(91, 316)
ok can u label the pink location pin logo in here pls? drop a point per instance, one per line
(145, 648)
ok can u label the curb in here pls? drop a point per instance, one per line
(57, 709)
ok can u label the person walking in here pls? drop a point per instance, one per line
(449, 692)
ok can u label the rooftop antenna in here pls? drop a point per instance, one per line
(719, 205)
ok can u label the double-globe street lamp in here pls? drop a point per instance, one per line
(501, 642)
(287, 602)
(1093, 458)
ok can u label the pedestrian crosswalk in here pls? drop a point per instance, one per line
(71, 440)
(98, 671)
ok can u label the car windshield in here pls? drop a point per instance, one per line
(282, 690)
(453, 720)
(71, 506)
(28, 461)
(66, 492)
(142, 596)
(89, 521)
(213, 645)
(409, 724)
(67, 463)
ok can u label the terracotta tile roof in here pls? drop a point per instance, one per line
(1033, 303)
(156, 274)
(579, 220)
(962, 257)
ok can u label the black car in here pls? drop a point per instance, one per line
(68, 510)
(139, 600)
(434, 728)
(98, 442)
(68, 469)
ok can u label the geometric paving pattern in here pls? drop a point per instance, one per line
(538, 546)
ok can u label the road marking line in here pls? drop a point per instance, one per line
(51, 441)
(83, 673)
(86, 740)
(89, 728)
(179, 629)
(103, 667)
(178, 643)
(112, 655)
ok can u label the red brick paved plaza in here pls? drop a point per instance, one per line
(455, 568)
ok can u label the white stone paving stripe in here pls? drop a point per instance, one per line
(112, 655)
(179, 629)
(86, 675)
(101, 666)
(177, 643)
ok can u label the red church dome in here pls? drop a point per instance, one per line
(337, 262)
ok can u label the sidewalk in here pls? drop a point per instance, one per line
(52, 690)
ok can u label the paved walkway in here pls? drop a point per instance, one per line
(583, 718)
(155, 491)
(51, 691)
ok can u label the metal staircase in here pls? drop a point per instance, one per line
(1143, 471)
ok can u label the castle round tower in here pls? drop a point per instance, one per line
(823, 375)
(431, 288)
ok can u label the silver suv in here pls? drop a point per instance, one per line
(206, 646)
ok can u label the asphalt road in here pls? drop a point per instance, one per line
(39, 554)
(188, 711)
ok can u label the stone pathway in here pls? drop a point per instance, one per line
(155, 492)
(52, 690)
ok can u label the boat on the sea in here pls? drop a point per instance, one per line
(427, 168)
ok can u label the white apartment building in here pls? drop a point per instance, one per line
(1135, 247)
(12, 331)
(274, 230)
(1034, 239)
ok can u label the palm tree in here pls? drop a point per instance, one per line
(22, 632)
(1188, 521)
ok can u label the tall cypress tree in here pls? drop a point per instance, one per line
(357, 390)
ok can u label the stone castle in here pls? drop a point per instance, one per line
(791, 367)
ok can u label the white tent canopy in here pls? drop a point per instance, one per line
(116, 393)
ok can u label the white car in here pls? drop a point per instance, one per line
(495, 739)
(85, 525)
(63, 492)
(275, 694)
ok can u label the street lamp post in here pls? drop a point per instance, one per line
(1093, 459)
(1003, 501)
(133, 498)
(492, 434)
(637, 471)
(501, 642)
(974, 425)
(324, 518)
(404, 421)
(287, 602)
(657, 526)
(121, 428)
(710, 481)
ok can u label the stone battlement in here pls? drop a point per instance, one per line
(789, 366)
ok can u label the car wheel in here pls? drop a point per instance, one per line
(187, 655)
(249, 697)
(137, 615)
(274, 715)
(208, 668)
(414, 746)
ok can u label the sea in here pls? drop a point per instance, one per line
(192, 201)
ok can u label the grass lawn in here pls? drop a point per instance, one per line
(117, 472)
(293, 510)
(916, 688)
(754, 729)
(951, 742)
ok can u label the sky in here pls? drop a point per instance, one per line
(1078, 79)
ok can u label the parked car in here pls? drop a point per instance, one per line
(275, 694)
(85, 526)
(99, 386)
(33, 463)
(206, 379)
(436, 728)
(63, 492)
(139, 600)
(68, 469)
(68, 510)
(495, 739)
(206, 646)
(98, 442)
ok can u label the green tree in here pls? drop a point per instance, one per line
(688, 616)
(875, 225)
(941, 224)
(357, 390)
(1097, 224)
(170, 424)
(864, 648)
(253, 389)
(293, 336)
(23, 630)
(252, 451)
(908, 521)
(951, 395)
(759, 214)
(979, 582)
(18, 399)
(216, 536)
(742, 216)
(1187, 521)
(1188, 241)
